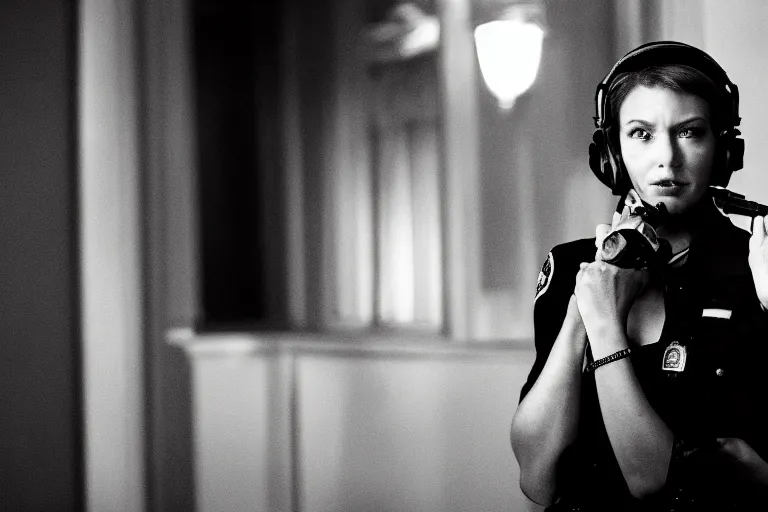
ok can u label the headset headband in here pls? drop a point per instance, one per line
(668, 52)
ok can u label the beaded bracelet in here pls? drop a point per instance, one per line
(621, 354)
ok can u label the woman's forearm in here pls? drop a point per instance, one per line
(641, 441)
(546, 421)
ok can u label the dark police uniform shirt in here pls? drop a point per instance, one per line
(712, 309)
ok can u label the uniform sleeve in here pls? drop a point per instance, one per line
(554, 288)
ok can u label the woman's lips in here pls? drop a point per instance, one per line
(668, 187)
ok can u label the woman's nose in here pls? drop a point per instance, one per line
(668, 151)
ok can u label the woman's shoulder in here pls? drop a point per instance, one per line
(571, 254)
(561, 265)
(584, 247)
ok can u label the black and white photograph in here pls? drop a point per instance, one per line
(384, 255)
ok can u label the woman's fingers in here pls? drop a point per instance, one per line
(610, 285)
(759, 229)
(601, 231)
(758, 258)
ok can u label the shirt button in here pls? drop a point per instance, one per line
(719, 372)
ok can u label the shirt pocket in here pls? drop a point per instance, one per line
(723, 371)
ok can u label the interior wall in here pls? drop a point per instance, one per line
(324, 425)
(536, 186)
(40, 424)
(734, 34)
(401, 434)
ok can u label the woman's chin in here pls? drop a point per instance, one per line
(675, 204)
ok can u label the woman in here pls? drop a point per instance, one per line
(667, 414)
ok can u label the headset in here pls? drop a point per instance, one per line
(606, 163)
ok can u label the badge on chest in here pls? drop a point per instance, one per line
(674, 358)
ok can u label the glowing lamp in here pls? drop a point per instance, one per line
(509, 53)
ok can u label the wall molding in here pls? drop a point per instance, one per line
(350, 344)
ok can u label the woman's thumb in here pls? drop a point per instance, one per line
(601, 231)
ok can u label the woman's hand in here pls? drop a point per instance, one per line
(601, 231)
(604, 294)
(758, 258)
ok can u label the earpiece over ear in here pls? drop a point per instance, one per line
(606, 164)
(735, 153)
(730, 156)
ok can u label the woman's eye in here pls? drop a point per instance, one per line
(639, 133)
(687, 133)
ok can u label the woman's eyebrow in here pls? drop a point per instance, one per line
(642, 122)
(691, 120)
(649, 124)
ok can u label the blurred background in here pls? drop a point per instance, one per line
(282, 256)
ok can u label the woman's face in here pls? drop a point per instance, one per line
(667, 146)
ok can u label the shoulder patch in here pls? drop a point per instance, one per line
(545, 276)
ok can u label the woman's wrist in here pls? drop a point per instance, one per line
(607, 340)
(574, 325)
(616, 356)
(576, 337)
